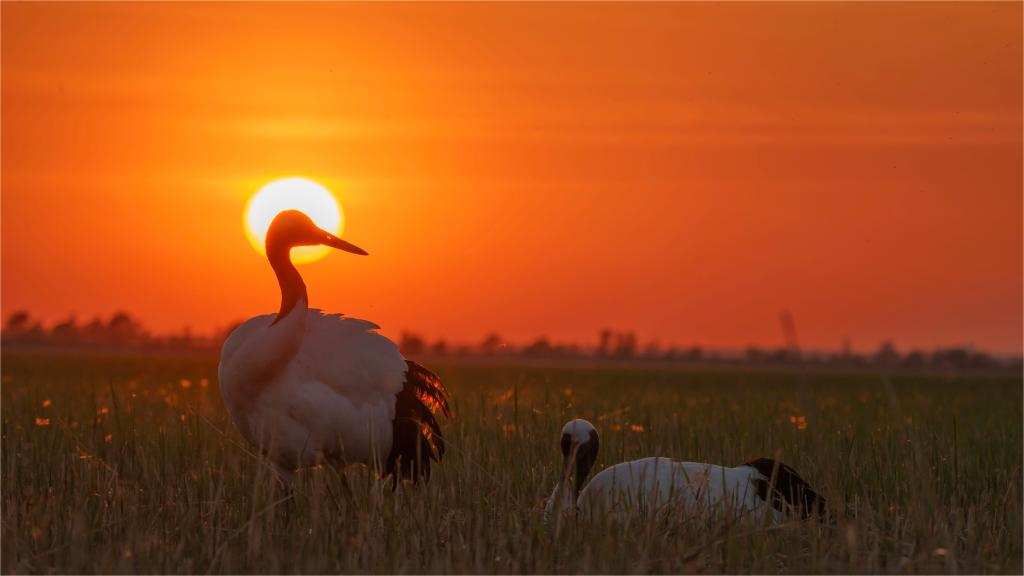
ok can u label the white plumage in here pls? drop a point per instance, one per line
(659, 484)
(331, 388)
(656, 482)
(308, 387)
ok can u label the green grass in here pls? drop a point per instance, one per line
(134, 472)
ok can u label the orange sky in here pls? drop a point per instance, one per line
(682, 170)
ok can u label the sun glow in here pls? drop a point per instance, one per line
(293, 194)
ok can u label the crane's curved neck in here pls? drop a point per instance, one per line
(293, 289)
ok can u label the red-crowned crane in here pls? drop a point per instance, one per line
(756, 487)
(308, 388)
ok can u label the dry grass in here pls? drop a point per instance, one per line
(120, 465)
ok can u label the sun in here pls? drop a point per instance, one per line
(293, 194)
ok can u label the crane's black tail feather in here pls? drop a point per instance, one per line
(416, 433)
(787, 488)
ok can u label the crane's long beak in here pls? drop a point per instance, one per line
(335, 242)
(570, 460)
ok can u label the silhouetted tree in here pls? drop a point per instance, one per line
(18, 322)
(491, 344)
(440, 348)
(411, 344)
(94, 332)
(124, 329)
(539, 347)
(66, 331)
(625, 345)
(20, 328)
(887, 354)
(963, 358)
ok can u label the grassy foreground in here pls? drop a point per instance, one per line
(130, 465)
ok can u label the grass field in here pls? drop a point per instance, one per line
(131, 465)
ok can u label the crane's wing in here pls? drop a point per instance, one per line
(783, 487)
(241, 334)
(417, 435)
(356, 361)
(351, 357)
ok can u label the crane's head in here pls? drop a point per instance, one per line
(292, 228)
(579, 445)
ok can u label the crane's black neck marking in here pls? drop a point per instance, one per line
(292, 286)
(586, 455)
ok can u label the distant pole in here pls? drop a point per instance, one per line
(793, 345)
(789, 332)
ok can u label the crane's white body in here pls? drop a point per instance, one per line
(657, 483)
(760, 488)
(312, 387)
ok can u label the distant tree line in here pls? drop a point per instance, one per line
(612, 345)
(121, 330)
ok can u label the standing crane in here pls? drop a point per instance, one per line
(307, 387)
